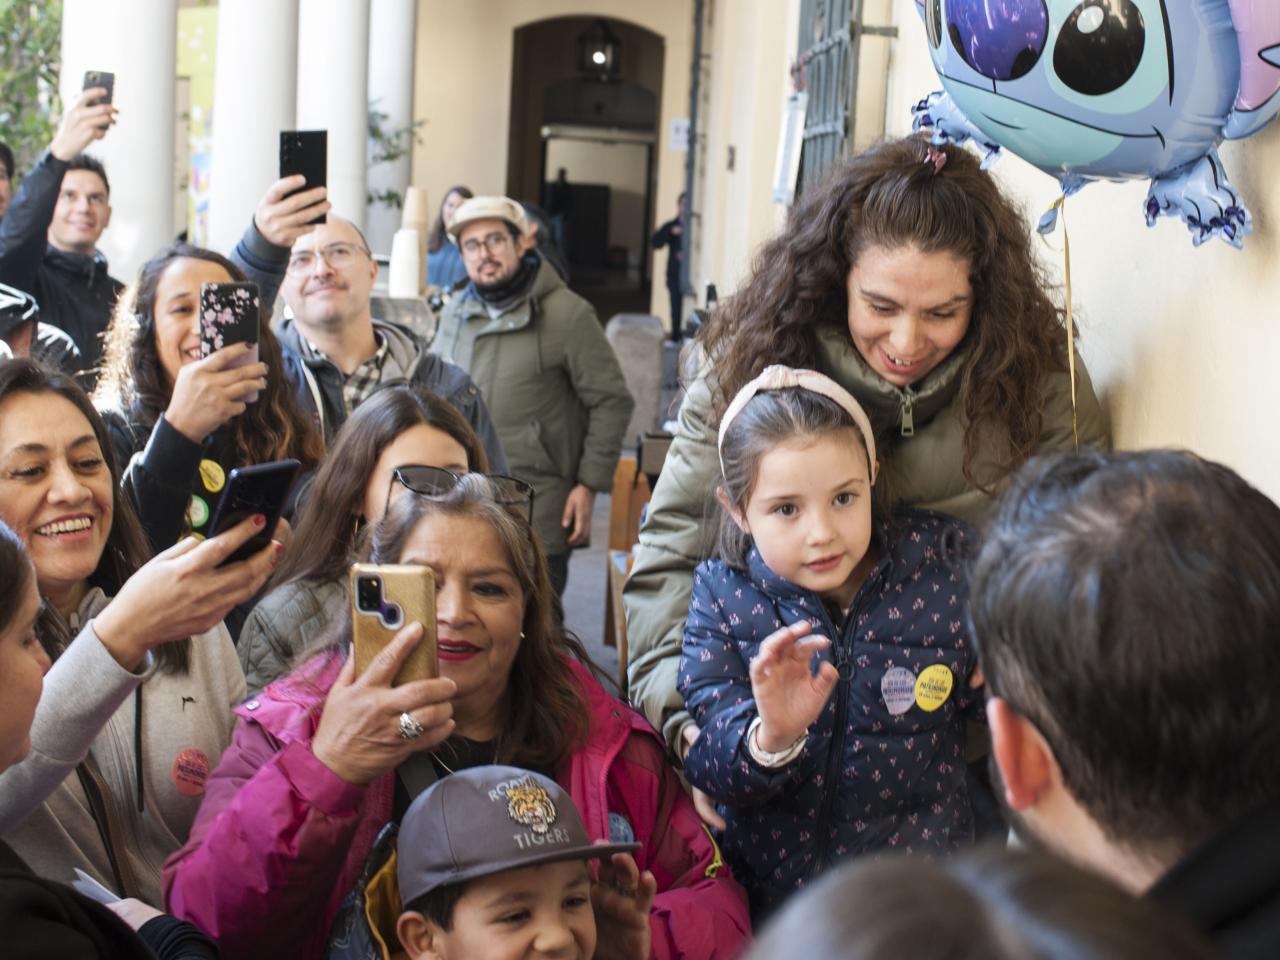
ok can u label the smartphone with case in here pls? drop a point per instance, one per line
(384, 598)
(100, 78)
(305, 152)
(262, 488)
(230, 313)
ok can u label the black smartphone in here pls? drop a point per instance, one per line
(262, 488)
(230, 313)
(305, 152)
(100, 78)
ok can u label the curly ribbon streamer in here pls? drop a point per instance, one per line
(1059, 210)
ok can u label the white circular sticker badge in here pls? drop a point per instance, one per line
(898, 687)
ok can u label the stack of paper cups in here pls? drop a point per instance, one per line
(417, 216)
(405, 281)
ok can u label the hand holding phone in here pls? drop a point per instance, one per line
(262, 488)
(384, 598)
(305, 152)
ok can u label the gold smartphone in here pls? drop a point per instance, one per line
(384, 598)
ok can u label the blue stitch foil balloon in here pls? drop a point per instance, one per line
(1111, 89)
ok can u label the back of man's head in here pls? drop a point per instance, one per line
(85, 161)
(8, 166)
(1128, 606)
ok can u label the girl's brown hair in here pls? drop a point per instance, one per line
(126, 548)
(436, 236)
(134, 381)
(323, 545)
(770, 418)
(888, 196)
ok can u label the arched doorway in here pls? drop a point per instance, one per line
(603, 132)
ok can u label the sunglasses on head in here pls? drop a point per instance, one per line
(437, 481)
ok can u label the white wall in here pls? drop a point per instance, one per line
(1183, 343)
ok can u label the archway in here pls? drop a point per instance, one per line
(603, 132)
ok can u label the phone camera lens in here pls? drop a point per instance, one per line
(369, 594)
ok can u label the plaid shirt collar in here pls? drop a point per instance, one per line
(364, 379)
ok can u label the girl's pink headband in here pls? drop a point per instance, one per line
(779, 377)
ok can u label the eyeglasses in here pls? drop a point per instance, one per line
(437, 482)
(494, 242)
(336, 255)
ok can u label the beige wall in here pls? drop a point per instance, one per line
(752, 44)
(1183, 344)
(463, 85)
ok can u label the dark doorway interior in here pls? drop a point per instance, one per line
(602, 132)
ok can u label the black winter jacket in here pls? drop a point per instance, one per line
(41, 919)
(1229, 886)
(74, 290)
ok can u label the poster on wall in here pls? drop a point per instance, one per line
(790, 139)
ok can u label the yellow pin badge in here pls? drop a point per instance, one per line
(933, 686)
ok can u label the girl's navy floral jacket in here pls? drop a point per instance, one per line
(875, 774)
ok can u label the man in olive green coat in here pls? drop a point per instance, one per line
(551, 380)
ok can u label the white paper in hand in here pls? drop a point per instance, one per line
(92, 889)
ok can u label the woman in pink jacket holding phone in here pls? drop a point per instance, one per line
(323, 760)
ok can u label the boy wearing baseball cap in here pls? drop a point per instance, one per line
(492, 863)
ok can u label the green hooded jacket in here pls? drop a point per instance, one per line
(922, 456)
(553, 386)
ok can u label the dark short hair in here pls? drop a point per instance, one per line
(6, 158)
(437, 905)
(1128, 605)
(985, 904)
(85, 161)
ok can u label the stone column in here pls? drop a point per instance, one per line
(333, 93)
(254, 99)
(391, 45)
(135, 40)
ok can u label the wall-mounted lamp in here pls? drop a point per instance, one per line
(599, 51)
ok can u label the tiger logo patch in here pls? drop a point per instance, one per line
(529, 805)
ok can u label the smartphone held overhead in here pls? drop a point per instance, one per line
(385, 598)
(305, 152)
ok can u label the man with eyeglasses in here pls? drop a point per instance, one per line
(541, 359)
(337, 353)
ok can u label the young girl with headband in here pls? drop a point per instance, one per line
(826, 654)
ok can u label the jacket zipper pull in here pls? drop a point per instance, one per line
(908, 413)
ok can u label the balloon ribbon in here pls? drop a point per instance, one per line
(1059, 207)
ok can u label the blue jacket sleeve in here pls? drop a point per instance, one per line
(715, 681)
(24, 230)
(262, 262)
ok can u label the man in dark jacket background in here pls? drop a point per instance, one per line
(671, 236)
(49, 236)
(337, 354)
(1126, 609)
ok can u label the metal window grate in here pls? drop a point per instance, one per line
(826, 67)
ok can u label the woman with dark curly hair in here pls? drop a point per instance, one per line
(181, 423)
(908, 278)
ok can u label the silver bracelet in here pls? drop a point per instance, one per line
(771, 759)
